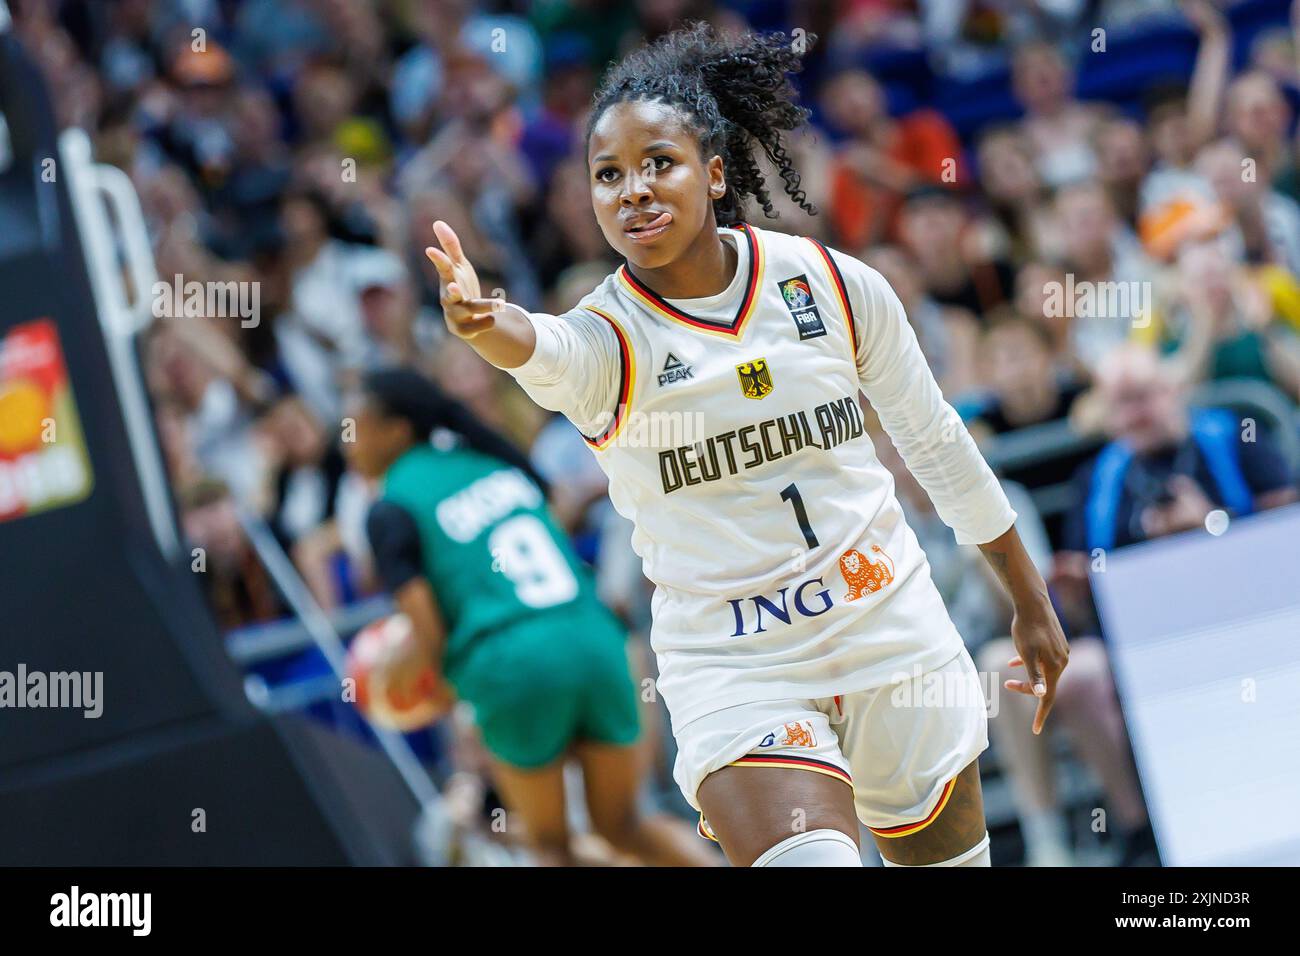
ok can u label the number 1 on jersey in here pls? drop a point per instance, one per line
(791, 494)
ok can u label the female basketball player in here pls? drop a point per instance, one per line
(462, 538)
(806, 658)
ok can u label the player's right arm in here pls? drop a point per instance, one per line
(504, 337)
(569, 364)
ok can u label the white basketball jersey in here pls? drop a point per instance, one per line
(733, 440)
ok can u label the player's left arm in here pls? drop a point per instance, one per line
(415, 599)
(1040, 642)
(939, 451)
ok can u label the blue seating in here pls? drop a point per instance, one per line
(1135, 59)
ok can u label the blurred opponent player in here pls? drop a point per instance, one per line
(792, 601)
(497, 600)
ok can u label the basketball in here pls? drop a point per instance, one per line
(376, 656)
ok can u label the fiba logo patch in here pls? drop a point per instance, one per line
(798, 297)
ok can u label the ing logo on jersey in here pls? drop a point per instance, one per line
(803, 308)
(755, 378)
(864, 576)
(797, 734)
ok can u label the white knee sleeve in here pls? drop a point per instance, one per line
(815, 848)
(978, 855)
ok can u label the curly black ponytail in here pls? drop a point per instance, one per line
(738, 94)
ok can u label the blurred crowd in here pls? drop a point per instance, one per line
(308, 145)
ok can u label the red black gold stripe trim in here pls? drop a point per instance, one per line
(841, 292)
(647, 297)
(787, 761)
(792, 762)
(627, 375)
(907, 829)
(821, 766)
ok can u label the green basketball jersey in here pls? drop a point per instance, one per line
(491, 551)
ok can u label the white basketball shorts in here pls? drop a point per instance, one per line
(899, 746)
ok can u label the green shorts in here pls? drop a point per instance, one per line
(548, 682)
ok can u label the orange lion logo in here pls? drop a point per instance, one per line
(864, 576)
(797, 735)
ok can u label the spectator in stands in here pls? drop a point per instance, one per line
(1025, 387)
(1059, 128)
(881, 158)
(955, 267)
(239, 590)
(1259, 118)
(324, 98)
(1273, 51)
(571, 237)
(275, 38)
(970, 37)
(490, 394)
(475, 149)
(1229, 325)
(579, 488)
(1166, 468)
(245, 203)
(1016, 195)
(550, 134)
(1274, 54)
(198, 113)
(472, 168)
(125, 58)
(1036, 283)
(217, 421)
(304, 474)
(1181, 119)
(396, 330)
(1122, 163)
(947, 334)
(1099, 251)
(322, 338)
(1267, 223)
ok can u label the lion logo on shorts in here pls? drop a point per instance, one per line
(798, 735)
(864, 576)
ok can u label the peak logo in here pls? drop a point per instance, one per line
(675, 370)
